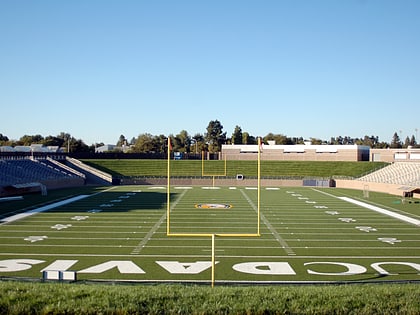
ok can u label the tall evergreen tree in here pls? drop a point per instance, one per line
(215, 136)
(396, 142)
(237, 135)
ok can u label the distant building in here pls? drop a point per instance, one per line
(298, 152)
(395, 155)
(106, 148)
(33, 148)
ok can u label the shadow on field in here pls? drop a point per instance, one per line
(117, 201)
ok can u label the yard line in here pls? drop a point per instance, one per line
(81, 238)
(69, 232)
(206, 256)
(337, 241)
(67, 246)
(47, 226)
(276, 235)
(152, 231)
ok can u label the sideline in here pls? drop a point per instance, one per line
(389, 213)
(382, 211)
(42, 209)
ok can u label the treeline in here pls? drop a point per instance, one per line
(211, 141)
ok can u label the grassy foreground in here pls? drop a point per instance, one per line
(49, 298)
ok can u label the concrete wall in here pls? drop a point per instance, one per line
(210, 182)
(370, 186)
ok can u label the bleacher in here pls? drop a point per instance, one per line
(22, 171)
(400, 173)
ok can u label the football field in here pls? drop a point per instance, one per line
(301, 235)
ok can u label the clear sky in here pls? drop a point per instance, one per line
(312, 68)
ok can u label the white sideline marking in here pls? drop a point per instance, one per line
(42, 209)
(11, 198)
(382, 211)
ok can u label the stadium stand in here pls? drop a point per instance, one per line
(93, 175)
(400, 173)
(28, 170)
(26, 175)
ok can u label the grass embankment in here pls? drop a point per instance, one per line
(301, 169)
(47, 298)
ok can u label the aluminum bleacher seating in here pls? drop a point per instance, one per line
(27, 170)
(401, 173)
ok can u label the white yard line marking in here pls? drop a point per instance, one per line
(42, 209)
(177, 256)
(276, 235)
(153, 230)
(394, 215)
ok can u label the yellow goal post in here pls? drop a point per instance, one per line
(212, 235)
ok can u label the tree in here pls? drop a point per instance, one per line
(278, 138)
(315, 141)
(407, 142)
(237, 135)
(3, 140)
(371, 141)
(144, 143)
(160, 143)
(297, 140)
(198, 142)
(121, 141)
(28, 140)
(248, 139)
(215, 136)
(413, 141)
(396, 142)
(182, 142)
(78, 146)
(53, 141)
(66, 141)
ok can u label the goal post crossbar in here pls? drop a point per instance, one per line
(203, 174)
(215, 234)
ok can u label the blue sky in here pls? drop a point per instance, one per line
(316, 68)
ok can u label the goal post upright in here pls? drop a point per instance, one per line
(168, 188)
(258, 185)
(213, 260)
